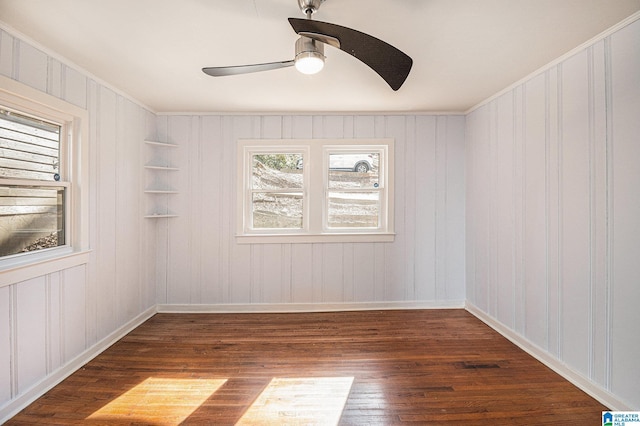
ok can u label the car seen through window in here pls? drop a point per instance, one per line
(360, 163)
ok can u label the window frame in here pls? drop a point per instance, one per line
(249, 152)
(383, 151)
(315, 227)
(73, 171)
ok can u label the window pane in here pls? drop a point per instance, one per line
(31, 218)
(354, 171)
(29, 147)
(354, 209)
(277, 171)
(277, 210)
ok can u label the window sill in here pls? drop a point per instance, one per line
(23, 270)
(316, 238)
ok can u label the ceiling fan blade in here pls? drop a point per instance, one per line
(390, 63)
(245, 69)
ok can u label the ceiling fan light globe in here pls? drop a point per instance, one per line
(309, 62)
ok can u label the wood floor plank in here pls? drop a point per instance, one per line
(404, 367)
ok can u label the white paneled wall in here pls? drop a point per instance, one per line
(200, 263)
(553, 212)
(49, 321)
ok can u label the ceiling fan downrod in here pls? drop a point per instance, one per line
(309, 7)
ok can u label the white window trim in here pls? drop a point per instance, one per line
(23, 98)
(314, 230)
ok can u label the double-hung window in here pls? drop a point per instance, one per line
(41, 211)
(33, 187)
(315, 190)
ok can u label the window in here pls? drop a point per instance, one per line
(41, 158)
(32, 190)
(315, 190)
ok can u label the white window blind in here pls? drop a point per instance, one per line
(32, 191)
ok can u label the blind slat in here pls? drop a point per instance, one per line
(18, 210)
(29, 166)
(25, 174)
(21, 137)
(45, 160)
(28, 148)
(30, 129)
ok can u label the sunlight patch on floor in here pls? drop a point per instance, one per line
(300, 401)
(159, 401)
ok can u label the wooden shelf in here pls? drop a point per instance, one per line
(162, 168)
(158, 162)
(160, 191)
(161, 144)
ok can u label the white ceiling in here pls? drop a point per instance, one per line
(464, 51)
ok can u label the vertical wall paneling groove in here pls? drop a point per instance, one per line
(425, 208)
(225, 200)
(522, 311)
(511, 302)
(553, 249)
(471, 205)
(625, 106)
(575, 208)
(161, 251)
(5, 342)
(198, 184)
(609, 213)
(212, 148)
(492, 212)
(559, 217)
(592, 219)
(15, 69)
(547, 204)
(598, 193)
(455, 208)
(55, 83)
(48, 325)
(117, 171)
(505, 174)
(6, 54)
(576, 227)
(194, 194)
(106, 217)
(6, 333)
(395, 274)
(91, 307)
(13, 358)
(610, 210)
(411, 170)
(535, 213)
(439, 208)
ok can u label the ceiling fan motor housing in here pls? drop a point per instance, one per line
(309, 47)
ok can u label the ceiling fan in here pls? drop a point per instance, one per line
(390, 63)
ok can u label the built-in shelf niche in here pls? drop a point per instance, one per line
(158, 179)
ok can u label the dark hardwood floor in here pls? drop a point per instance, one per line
(391, 367)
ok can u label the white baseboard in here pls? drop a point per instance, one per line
(307, 307)
(590, 388)
(30, 395)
